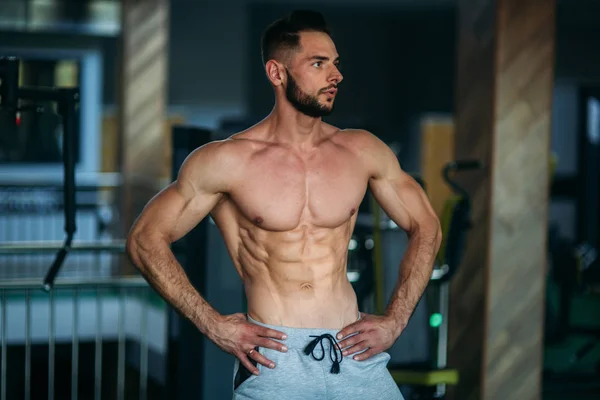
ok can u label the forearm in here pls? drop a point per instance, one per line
(415, 272)
(160, 268)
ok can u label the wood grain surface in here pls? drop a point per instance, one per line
(504, 93)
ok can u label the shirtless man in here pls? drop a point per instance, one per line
(285, 194)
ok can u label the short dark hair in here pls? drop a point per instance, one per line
(283, 34)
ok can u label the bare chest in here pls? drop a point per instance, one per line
(281, 193)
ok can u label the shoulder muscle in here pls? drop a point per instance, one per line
(210, 168)
(377, 157)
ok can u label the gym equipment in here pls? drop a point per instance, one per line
(572, 353)
(572, 348)
(359, 267)
(429, 381)
(68, 101)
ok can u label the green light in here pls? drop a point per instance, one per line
(435, 320)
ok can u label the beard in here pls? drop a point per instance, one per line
(305, 103)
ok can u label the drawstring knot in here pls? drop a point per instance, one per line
(333, 351)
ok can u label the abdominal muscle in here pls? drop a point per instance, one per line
(298, 278)
(317, 297)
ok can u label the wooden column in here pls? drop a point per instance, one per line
(143, 101)
(504, 93)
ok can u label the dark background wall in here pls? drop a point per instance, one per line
(214, 43)
(397, 64)
(398, 57)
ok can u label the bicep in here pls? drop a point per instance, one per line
(400, 196)
(404, 201)
(178, 208)
(175, 211)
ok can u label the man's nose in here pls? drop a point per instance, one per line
(336, 76)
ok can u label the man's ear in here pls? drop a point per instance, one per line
(275, 72)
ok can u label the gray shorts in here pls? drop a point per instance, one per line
(299, 376)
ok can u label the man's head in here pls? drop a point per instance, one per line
(301, 62)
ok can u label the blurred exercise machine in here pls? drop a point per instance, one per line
(429, 380)
(68, 103)
(572, 332)
(575, 279)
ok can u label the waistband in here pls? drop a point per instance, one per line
(297, 338)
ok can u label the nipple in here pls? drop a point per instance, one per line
(258, 220)
(352, 211)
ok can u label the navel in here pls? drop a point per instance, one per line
(306, 286)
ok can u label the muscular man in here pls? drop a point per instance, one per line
(285, 194)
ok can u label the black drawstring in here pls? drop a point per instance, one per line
(333, 351)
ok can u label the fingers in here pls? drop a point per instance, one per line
(355, 349)
(259, 358)
(353, 328)
(269, 333)
(260, 336)
(367, 354)
(272, 344)
(352, 340)
(246, 362)
(265, 335)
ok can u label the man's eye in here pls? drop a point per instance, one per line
(317, 64)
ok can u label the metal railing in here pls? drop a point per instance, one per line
(91, 320)
(94, 334)
(32, 220)
(22, 248)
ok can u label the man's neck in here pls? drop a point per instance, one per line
(291, 127)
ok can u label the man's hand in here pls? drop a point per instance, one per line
(372, 332)
(235, 335)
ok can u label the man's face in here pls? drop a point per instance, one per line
(313, 75)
